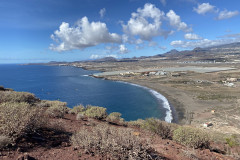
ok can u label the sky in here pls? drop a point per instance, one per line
(72, 30)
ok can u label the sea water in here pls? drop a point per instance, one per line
(71, 85)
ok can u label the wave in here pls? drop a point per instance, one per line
(164, 100)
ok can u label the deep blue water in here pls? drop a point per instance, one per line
(69, 84)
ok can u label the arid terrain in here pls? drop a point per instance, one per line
(200, 92)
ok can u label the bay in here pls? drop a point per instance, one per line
(72, 85)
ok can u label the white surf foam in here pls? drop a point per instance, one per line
(164, 100)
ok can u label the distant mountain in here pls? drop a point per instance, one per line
(226, 49)
(106, 59)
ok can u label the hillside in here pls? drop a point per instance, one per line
(220, 53)
(38, 129)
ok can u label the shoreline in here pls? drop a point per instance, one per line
(177, 110)
(177, 115)
(170, 118)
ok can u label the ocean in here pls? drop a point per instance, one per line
(74, 86)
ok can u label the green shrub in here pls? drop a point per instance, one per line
(108, 141)
(4, 141)
(18, 119)
(12, 96)
(96, 112)
(56, 109)
(115, 117)
(77, 109)
(191, 137)
(161, 128)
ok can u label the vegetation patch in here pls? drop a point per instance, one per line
(77, 109)
(12, 96)
(19, 119)
(117, 143)
(191, 137)
(56, 109)
(96, 112)
(115, 118)
(161, 128)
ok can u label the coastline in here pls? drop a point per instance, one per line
(175, 105)
(175, 108)
(169, 114)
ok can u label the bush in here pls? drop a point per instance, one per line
(77, 109)
(4, 141)
(232, 141)
(161, 128)
(19, 119)
(191, 137)
(118, 143)
(138, 123)
(56, 109)
(12, 96)
(115, 117)
(96, 112)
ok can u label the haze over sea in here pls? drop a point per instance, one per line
(71, 85)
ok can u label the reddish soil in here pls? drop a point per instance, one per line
(54, 144)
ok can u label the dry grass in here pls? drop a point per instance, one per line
(108, 141)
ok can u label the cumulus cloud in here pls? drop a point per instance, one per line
(97, 56)
(139, 24)
(123, 49)
(102, 12)
(204, 8)
(163, 2)
(176, 22)
(225, 14)
(192, 36)
(145, 24)
(202, 43)
(83, 35)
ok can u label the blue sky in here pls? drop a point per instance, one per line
(72, 30)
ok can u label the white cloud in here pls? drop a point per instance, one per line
(176, 22)
(102, 12)
(163, 2)
(140, 25)
(204, 8)
(202, 43)
(192, 36)
(225, 14)
(97, 56)
(83, 35)
(122, 49)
